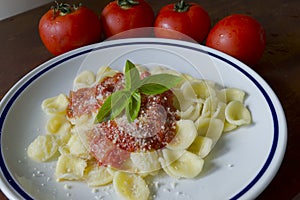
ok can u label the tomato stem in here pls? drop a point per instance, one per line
(125, 4)
(63, 8)
(181, 6)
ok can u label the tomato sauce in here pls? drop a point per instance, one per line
(83, 101)
(88, 100)
(104, 150)
(109, 85)
(111, 142)
(154, 128)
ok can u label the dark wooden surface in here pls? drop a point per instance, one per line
(21, 51)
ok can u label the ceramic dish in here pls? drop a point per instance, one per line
(240, 166)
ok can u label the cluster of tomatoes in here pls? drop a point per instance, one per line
(65, 27)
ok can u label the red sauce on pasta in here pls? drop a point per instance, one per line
(154, 128)
(111, 142)
(88, 100)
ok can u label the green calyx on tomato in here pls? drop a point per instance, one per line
(126, 4)
(63, 8)
(181, 6)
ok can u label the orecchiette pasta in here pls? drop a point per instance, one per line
(163, 70)
(70, 167)
(193, 112)
(219, 112)
(84, 79)
(98, 175)
(210, 127)
(186, 134)
(55, 105)
(43, 148)
(237, 114)
(188, 165)
(131, 186)
(203, 112)
(181, 103)
(169, 156)
(104, 72)
(201, 146)
(210, 106)
(233, 94)
(58, 124)
(228, 127)
(77, 148)
(145, 161)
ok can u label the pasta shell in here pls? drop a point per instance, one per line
(209, 107)
(43, 148)
(141, 68)
(192, 113)
(163, 70)
(197, 89)
(201, 146)
(55, 105)
(188, 165)
(228, 127)
(219, 111)
(70, 167)
(185, 135)
(130, 186)
(103, 72)
(97, 175)
(84, 79)
(237, 114)
(77, 148)
(145, 161)
(58, 124)
(210, 127)
(170, 156)
(181, 103)
(233, 94)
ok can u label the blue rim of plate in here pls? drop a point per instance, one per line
(15, 95)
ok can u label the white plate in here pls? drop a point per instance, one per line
(241, 165)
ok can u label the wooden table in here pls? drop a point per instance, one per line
(21, 51)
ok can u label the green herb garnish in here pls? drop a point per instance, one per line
(130, 97)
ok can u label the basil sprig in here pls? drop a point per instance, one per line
(130, 97)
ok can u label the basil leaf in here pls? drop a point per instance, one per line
(130, 97)
(133, 107)
(167, 80)
(113, 106)
(132, 76)
(119, 100)
(104, 113)
(152, 89)
(159, 83)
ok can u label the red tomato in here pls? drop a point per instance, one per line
(190, 19)
(240, 36)
(66, 27)
(122, 15)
